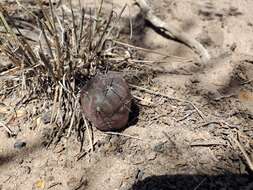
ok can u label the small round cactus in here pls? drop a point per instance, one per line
(106, 101)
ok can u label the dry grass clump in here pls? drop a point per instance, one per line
(71, 46)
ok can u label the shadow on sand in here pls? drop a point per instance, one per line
(226, 181)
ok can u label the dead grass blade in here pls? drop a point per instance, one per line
(242, 149)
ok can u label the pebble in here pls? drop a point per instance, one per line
(151, 156)
(19, 144)
(46, 117)
(26, 170)
(159, 148)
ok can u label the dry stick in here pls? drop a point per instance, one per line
(147, 62)
(99, 43)
(50, 27)
(64, 87)
(171, 31)
(157, 93)
(6, 26)
(148, 50)
(141, 99)
(100, 7)
(13, 59)
(81, 30)
(45, 60)
(221, 123)
(72, 118)
(47, 41)
(60, 99)
(6, 128)
(89, 130)
(62, 29)
(74, 30)
(23, 7)
(196, 108)
(250, 163)
(121, 134)
(56, 92)
(60, 69)
(169, 97)
(26, 46)
(206, 144)
(130, 23)
(185, 117)
(91, 35)
(113, 25)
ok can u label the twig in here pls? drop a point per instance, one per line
(81, 30)
(59, 102)
(47, 41)
(250, 163)
(6, 26)
(124, 135)
(186, 116)
(156, 93)
(99, 43)
(89, 130)
(218, 123)
(45, 60)
(59, 64)
(6, 128)
(110, 29)
(171, 31)
(197, 109)
(205, 144)
(148, 50)
(130, 23)
(80, 155)
(23, 7)
(74, 30)
(170, 97)
(48, 25)
(141, 99)
(54, 184)
(100, 8)
(72, 118)
(56, 92)
(156, 118)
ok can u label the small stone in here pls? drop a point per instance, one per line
(19, 144)
(20, 161)
(46, 117)
(159, 148)
(27, 170)
(151, 156)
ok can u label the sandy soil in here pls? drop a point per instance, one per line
(173, 144)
